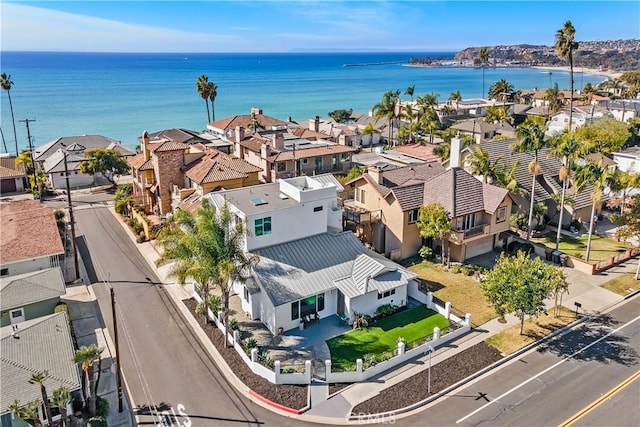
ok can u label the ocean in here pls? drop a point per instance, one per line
(119, 95)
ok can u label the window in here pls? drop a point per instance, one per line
(320, 302)
(295, 310)
(4, 272)
(359, 195)
(305, 161)
(386, 294)
(345, 157)
(263, 226)
(501, 214)
(308, 306)
(246, 151)
(282, 166)
(246, 294)
(317, 209)
(468, 221)
(414, 215)
(17, 313)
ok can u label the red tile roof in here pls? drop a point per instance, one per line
(311, 152)
(246, 121)
(418, 151)
(138, 162)
(217, 166)
(10, 173)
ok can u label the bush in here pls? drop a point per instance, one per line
(466, 270)
(233, 324)
(456, 269)
(385, 311)
(97, 422)
(102, 407)
(265, 359)
(141, 238)
(425, 252)
(250, 344)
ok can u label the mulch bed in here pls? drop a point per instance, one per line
(443, 375)
(292, 396)
(336, 387)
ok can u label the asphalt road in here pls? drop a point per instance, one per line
(551, 384)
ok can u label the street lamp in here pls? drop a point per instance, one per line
(430, 350)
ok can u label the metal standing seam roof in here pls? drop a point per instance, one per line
(295, 270)
(43, 344)
(29, 288)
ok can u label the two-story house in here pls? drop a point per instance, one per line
(307, 267)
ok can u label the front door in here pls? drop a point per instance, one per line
(340, 305)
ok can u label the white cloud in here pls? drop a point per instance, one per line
(32, 28)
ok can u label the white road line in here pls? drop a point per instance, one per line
(546, 370)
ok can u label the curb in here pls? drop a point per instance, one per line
(274, 404)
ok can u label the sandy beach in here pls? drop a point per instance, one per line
(593, 71)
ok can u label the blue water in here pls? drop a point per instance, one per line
(120, 95)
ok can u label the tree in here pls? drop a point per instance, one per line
(564, 147)
(623, 182)
(341, 116)
(86, 356)
(429, 123)
(203, 88)
(61, 399)
(481, 164)
(483, 55)
(520, 284)
(599, 177)
(105, 161)
(409, 91)
(539, 211)
(355, 172)
(553, 96)
(435, 222)
(25, 160)
(27, 412)
(39, 378)
(207, 248)
(565, 45)
(387, 109)
(530, 138)
(497, 113)
(7, 84)
(500, 89)
(455, 96)
(370, 130)
(506, 178)
(603, 135)
(628, 221)
(213, 94)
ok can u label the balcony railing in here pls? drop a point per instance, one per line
(460, 236)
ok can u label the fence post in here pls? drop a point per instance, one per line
(447, 309)
(254, 355)
(467, 319)
(430, 300)
(401, 347)
(436, 333)
(277, 370)
(327, 367)
(359, 365)
(307, 370)
(236, 336)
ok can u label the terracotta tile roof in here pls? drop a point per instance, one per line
(9, 162)
(311, 152)
(138, 162)
(10, 173)
(28, 231)
(418, 151)
(253, 142)
(217, 166)
(246, 121)
(167, 146)
(309, 134)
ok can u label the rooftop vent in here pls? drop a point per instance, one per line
(258, 202)
(283, 196)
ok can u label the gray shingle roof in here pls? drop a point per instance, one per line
(29, 288)
(294, 270)
(90, 142)
(409, 196)
(43, 344)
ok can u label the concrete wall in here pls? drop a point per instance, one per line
(76, 180)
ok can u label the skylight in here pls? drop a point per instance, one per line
(258, 202)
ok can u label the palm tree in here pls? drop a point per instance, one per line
(213, 93)
(565, 148)
(61, 399)
(370, 130)
(203, 88)
(455, 96)
(530, 138)
(481, 164)
(387, 109)
(207, 247)
(539, 211)
(428, 101)
(599, 177)
(553, 96)
(38, 378)
(507, 179)
(7, 84)
(86, 356)
(483, 54)
(409, 91)
(565, 45)
(500, 89)
(429, 122)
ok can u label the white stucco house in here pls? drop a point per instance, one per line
(308, 268)
(628, 159)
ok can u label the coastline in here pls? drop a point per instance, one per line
(593, 71)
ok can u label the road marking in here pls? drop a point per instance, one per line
(600, 400)
(546, 370)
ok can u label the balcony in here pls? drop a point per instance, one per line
(356, 215)
(463, 236)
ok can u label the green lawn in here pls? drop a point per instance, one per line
(601, 247)
(463, 292)
(623, 285)
(381, 336)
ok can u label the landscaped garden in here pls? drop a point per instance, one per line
(462, 291)
(601, 247)
(380, 338)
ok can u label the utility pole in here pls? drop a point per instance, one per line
(71, 219)
(115, 334)
(33, 164)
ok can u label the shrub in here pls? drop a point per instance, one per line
(97, 422)
(425, 252)
(265, 359)
(385, 310)
(215, 303)
(360, 321)
(465, 270)
(456, 269)
(233, 324)
(141, 238)
(102, 407)
(250, 344)
(400, 339)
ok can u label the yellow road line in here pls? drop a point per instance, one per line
(601, 399)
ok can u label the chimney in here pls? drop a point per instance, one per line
(239, 133)
(256, 110)
(278, 141)
(375, 173)
(145, 145)
(265, 151)
(454, 157)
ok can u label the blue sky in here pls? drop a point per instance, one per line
(280, 26)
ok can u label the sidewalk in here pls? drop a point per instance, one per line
(338, 407)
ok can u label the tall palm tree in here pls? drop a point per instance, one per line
(207, 248)
(500, 89)
(565, 45)
(599, 177)
(7, 84)
(203, 88)
(530, 138)
(480, 164)
(456, 97)
(387, 109)
(86, 356)
(39, 378)
(553, 96)
(565, 147)
(61, 399)
(483, 54)
(409, 91)
(213, 93)
(507, 179)
(428, 101)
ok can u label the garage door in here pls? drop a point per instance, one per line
(479, 247)
(8, 185)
